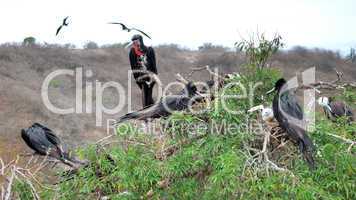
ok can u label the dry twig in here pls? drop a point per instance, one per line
(352, 143)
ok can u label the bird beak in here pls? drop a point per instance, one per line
(129, 44)
(199, 94)
(259, 107)
(270, 91)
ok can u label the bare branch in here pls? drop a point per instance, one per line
(104, 138)
(335, 84)
(2, 167)
(9, 184)
(181, 79)
(352, 143)
(27, 180)
(207, 68)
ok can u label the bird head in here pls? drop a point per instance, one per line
(267, 114)
(137, 40)
(278, 85)
(323, 101)
(191, 88)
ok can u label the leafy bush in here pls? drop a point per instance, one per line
(29, 41)
(260, 49)
(90, 45)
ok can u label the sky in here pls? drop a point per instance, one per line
(189, 23)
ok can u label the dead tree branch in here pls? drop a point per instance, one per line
(207, 68)
(335, 84)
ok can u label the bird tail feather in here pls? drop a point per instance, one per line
(128, 116)
(72, 161)
(308, 150)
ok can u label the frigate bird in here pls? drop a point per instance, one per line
(334, 109)
(44, 142)
(126, 28)
(165, 106)
(64, 23)
(285, 108)
(143, 62)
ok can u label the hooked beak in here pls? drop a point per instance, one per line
(270, 91)
(259, 107)
(129, 44)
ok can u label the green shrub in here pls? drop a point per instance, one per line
(29, 41)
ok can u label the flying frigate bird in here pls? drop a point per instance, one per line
(64, 23)
(125, 28)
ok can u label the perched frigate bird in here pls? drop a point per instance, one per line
(44, 142)
(165, 106)
(64, 23)
(125, 28)
(286, 110)
(334, 109)
(143, 62)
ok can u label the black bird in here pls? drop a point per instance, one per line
(334, 109)
(285, 108)
(125, 28)
(64, 23)
(143, 60)
(44, 142)
(165, 106)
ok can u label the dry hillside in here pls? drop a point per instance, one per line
(23, 69)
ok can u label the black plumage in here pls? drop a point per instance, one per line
(287, 111)
(334, 109)
(165, 106)
(64, 23)
(44, 142)
(141, 65)
(125, 28)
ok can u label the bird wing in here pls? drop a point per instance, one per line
(339, 109)
(142, 114)
(58, 29)
(124, 27)
(141, 32)
(306, 145)
(160, 109)
(36, 139)
(50, 136)
(290, 105)
(27, 140)
(151, 60)
(65, 21)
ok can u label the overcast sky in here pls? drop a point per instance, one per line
(190, 23)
